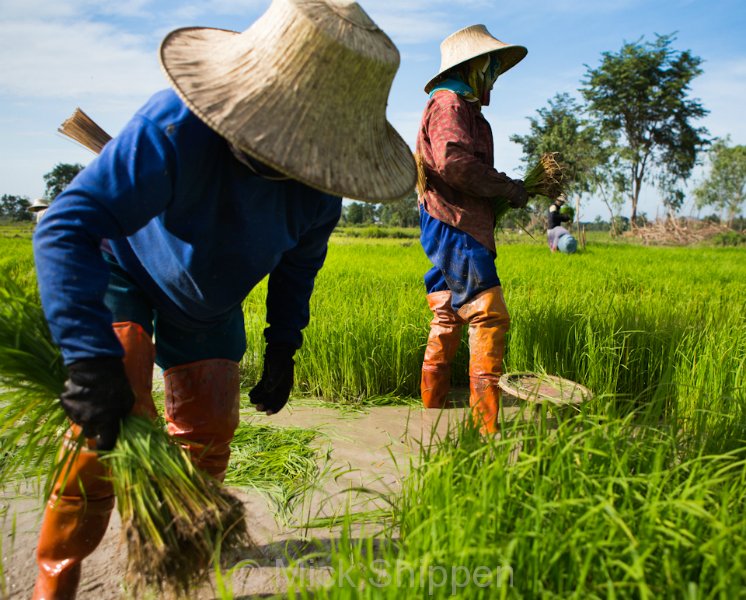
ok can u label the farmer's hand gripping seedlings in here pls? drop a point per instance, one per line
(97, 397)
(213, 185)
(461, 196)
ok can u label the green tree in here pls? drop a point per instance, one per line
(59, 178)
(640, 96)
(15, 208)
(561, 127)
(358, 213)
(608, 180)
(402, 213)
(725, 187)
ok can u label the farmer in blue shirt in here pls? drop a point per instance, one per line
(234, 174)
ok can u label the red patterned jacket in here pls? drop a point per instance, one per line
(455, 145)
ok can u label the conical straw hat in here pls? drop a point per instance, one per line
(471, 42)
(304, 90)
(39, 204)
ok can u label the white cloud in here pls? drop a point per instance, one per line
(48, 59)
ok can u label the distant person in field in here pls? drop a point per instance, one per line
(38, 208)
(234, 173)
(457, 187)
(559, 238)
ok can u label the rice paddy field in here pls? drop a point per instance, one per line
(640, 493)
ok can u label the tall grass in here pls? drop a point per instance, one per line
(594, 508)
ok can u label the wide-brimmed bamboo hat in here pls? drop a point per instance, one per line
(304, 90)
(471, 42)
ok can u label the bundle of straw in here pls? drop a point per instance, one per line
(81, 128)
(546, 179)
(174, 517)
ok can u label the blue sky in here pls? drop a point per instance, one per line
(102, 56)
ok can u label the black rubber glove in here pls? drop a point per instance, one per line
(271, 394)
(518, 197)
(97, 397)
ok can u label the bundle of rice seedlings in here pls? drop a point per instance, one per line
(84, 130)
(174, 516)
(546, 179)
(568, 210)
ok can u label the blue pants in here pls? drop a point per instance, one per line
(461, 264)
(174, 344)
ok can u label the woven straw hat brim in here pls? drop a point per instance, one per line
(325, 127)
(471, 42)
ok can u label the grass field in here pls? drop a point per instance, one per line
(641, 495)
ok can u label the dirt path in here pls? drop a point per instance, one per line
(371, 450)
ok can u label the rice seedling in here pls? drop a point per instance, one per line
(631, 323)
(593, 508)
(568, 210)
(547, 177)
(545, 180)
(31, 372)
(173, 515)
(279, 462)
(628, 322)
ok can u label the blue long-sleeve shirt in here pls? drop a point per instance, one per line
(190, 223)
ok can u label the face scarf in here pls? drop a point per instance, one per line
(481, 74)
(472, 80)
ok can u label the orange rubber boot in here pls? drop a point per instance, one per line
(75, 520)
(78, 511)
(202, 411)
(139, 357)
(442, 344)
(488, 323)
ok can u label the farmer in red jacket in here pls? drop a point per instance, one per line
(233, 174)
(457, 187)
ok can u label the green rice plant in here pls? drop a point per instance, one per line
(31, 372)
(642, 326)
(173, 515)
(16, 257)
(368, 316)
(279, 462)
(588, 508)
(631, 323)
(568, 210)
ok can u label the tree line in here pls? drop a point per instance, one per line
(16, 208)
(635, 124)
